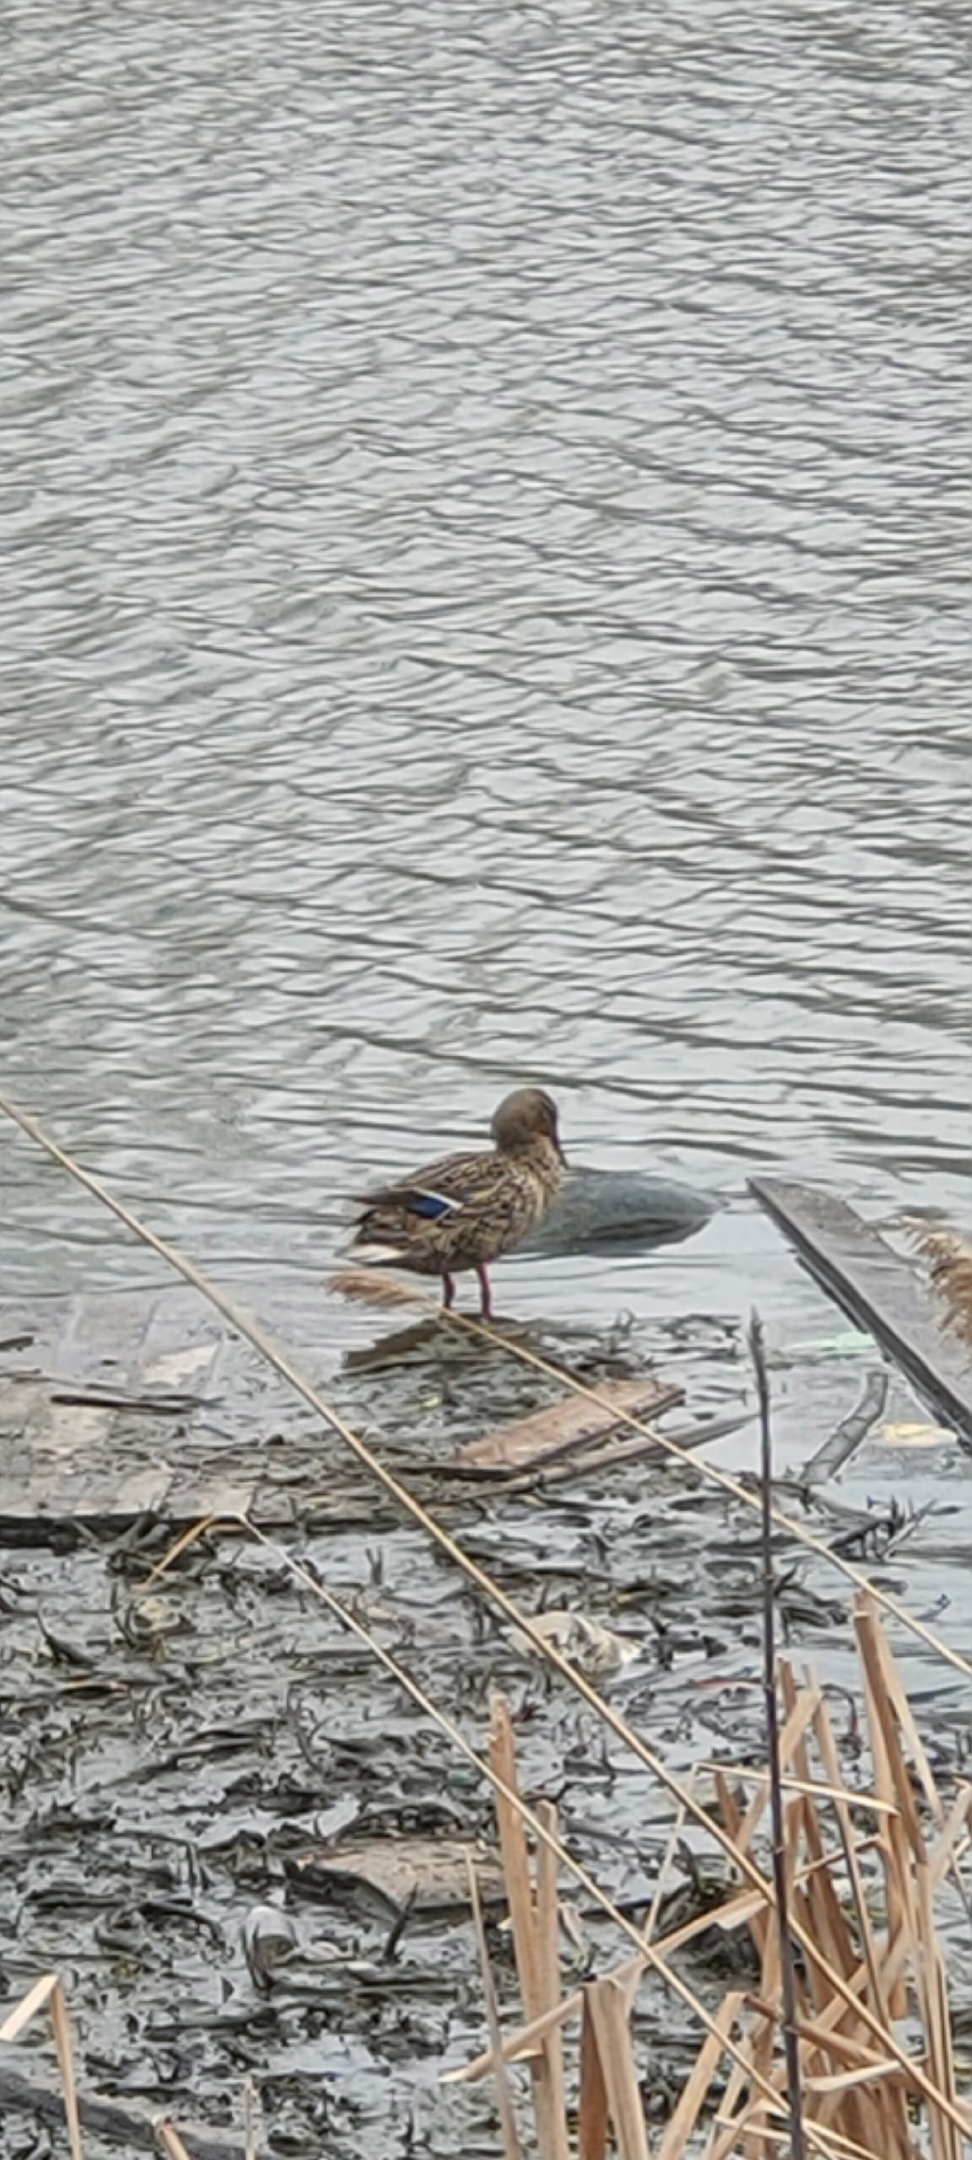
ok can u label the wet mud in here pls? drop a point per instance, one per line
(242, 1845)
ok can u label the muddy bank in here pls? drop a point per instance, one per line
(208, 1783)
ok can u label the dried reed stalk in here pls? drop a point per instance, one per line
(169, 2139)
(504, 2098)
(252, 2116)
(817, 1903)
(48, 1993)
(949, 1260)
(782, 1855)
(858, 2086)
(695, 2091)
(534, 1965)
(609, 2020)
(594, 2118)
(547, 1909)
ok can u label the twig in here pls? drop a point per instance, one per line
(48, 1993)
(791, 2044)
(169, 2139)
(847, 1436)
(251, 2118)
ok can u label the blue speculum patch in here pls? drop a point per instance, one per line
(431, 1205)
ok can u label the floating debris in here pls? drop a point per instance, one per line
(874, 1285)
(918, 1436)
(592, 1647)
(390, 1874)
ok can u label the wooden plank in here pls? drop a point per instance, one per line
(573, 1422)
(95, 1422)
(878, 1289)
(608, 1454)
(114, 1407)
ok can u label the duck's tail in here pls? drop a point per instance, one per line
(372, 1254)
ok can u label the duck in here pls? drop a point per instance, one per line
(459, 1214)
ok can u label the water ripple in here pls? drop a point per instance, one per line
(484, 595)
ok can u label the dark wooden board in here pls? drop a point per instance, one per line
(879, 1290)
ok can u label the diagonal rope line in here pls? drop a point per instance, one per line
(284, 1365)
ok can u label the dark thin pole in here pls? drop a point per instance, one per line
(791, 2045)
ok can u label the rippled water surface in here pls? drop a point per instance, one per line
(484, 598)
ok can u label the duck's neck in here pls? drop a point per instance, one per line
(543, 1158)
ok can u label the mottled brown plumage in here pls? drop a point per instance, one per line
(463, 1211)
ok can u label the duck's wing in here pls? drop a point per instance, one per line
(440, 1190)
(414, 1200)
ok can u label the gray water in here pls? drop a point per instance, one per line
(485, 599)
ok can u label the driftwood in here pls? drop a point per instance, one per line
(609, 1453)
(847, 1436)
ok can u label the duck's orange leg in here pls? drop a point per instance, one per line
(486, 1306)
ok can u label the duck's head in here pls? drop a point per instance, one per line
(523, 1118)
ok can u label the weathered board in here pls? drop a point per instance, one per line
(562, 1428)
(118, 1411)
(118, 1408)
(881, 1292)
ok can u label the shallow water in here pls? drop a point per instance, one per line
(485, 599)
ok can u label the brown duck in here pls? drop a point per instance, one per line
(463, 1211)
